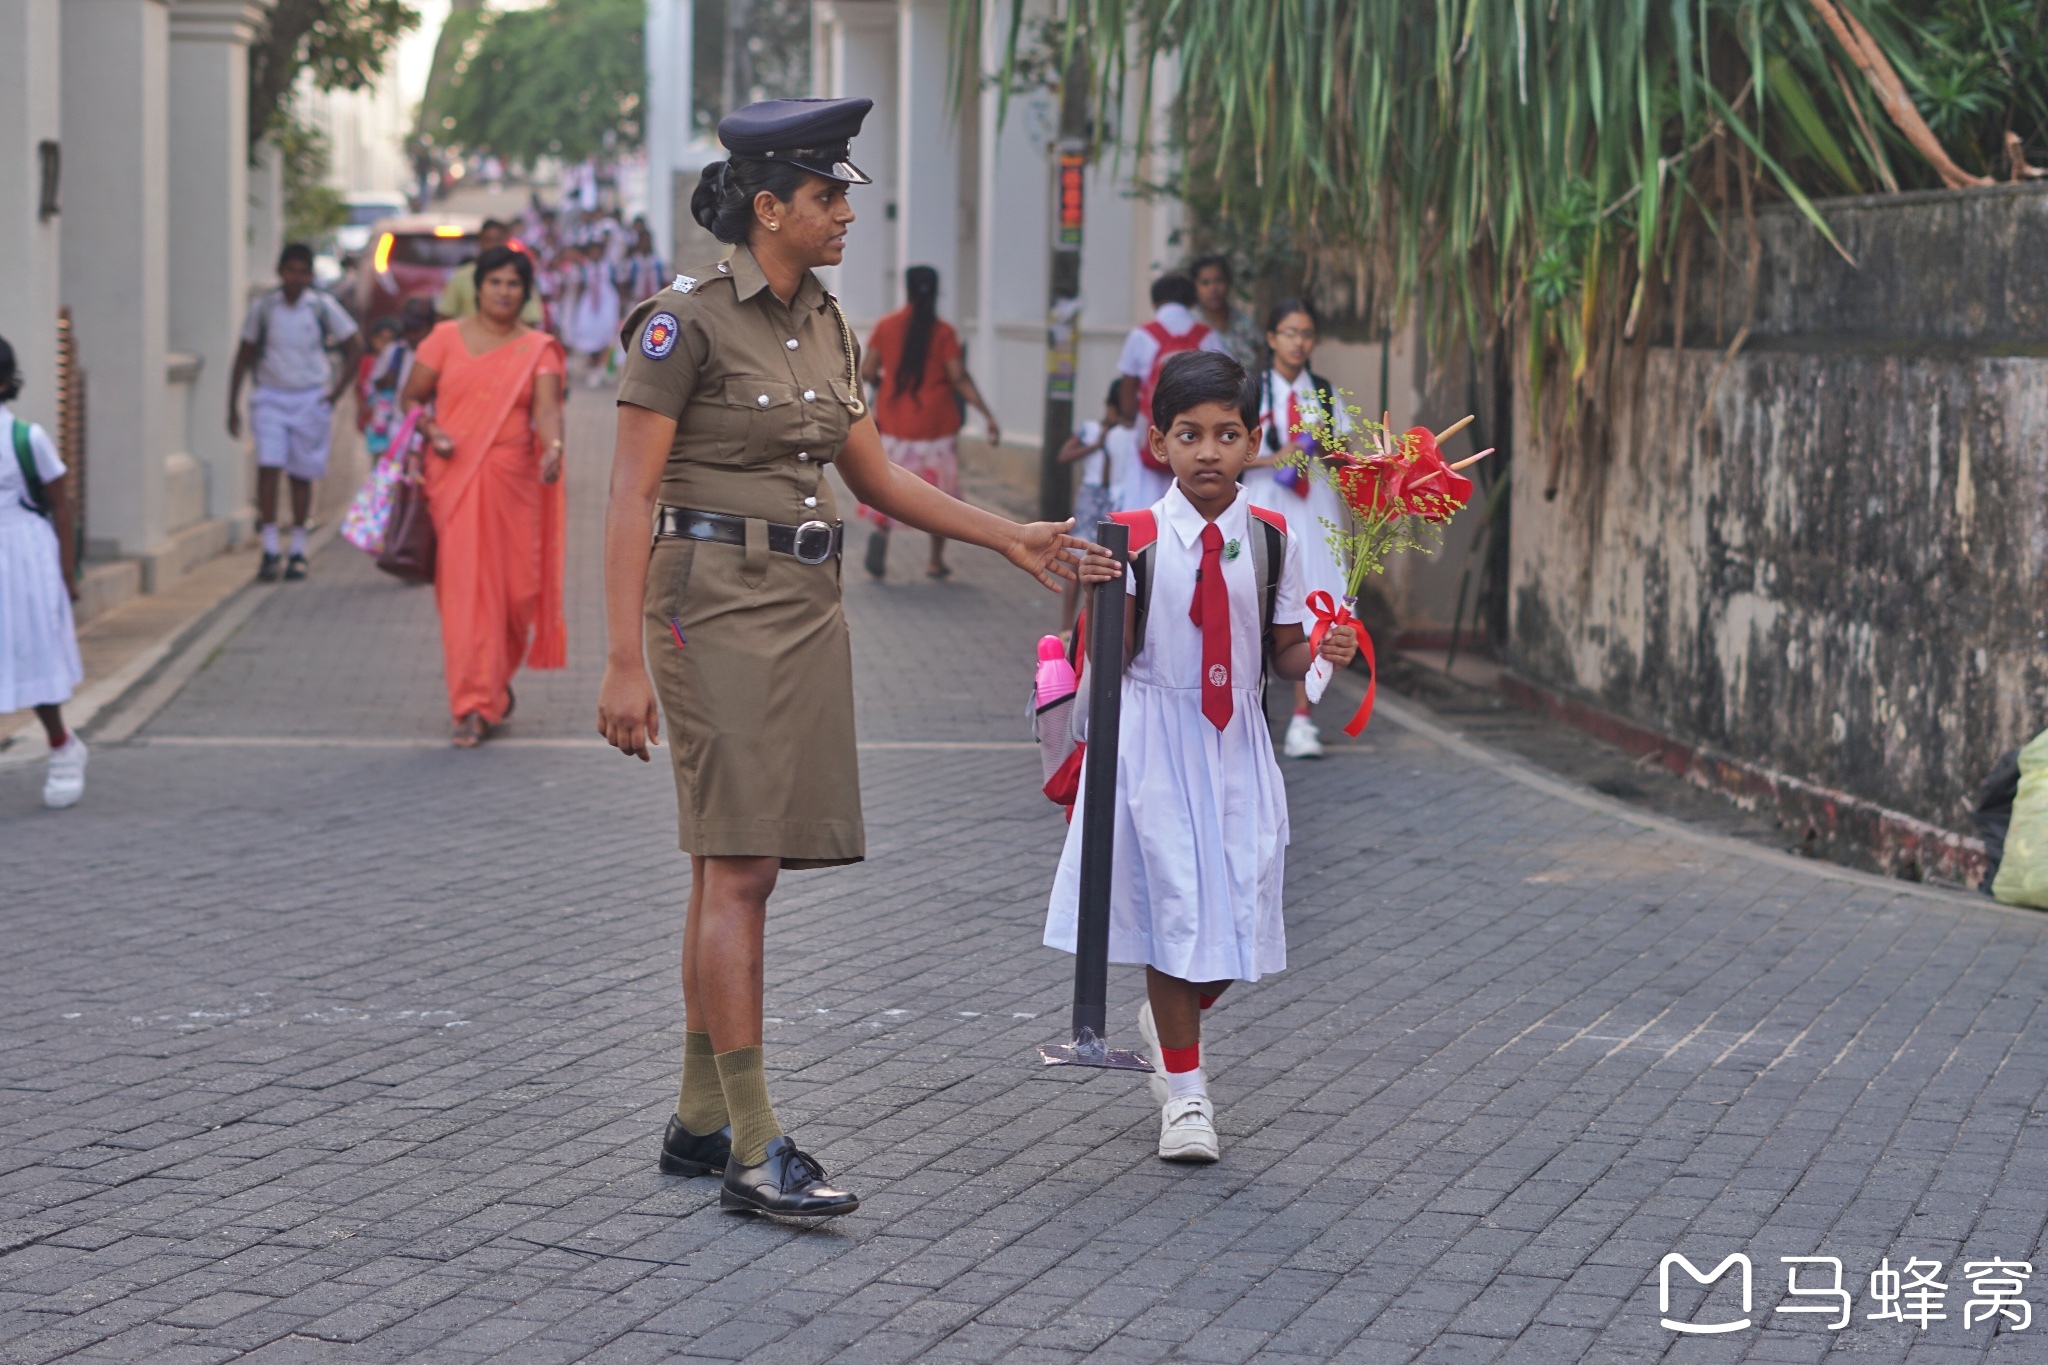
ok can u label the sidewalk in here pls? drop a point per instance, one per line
(122, 647)
(329, 1043)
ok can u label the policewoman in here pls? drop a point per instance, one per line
(739, 388)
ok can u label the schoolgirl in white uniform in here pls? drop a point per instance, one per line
(39, 664)
(1201, 820)
(1290, 395)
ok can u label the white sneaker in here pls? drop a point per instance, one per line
(1149, 1031)
(1187, 1130)
(64, 783)
(1302, 740)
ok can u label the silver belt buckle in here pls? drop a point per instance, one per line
(813, 533)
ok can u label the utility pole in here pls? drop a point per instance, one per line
(1063, 317)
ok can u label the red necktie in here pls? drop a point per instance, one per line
(1211, 611)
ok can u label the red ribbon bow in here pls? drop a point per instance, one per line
(1329, 614)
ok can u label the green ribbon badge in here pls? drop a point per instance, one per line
(1230, 549)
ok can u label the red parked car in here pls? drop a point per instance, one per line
(410, 257)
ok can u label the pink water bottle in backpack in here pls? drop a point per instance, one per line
(1052, 705)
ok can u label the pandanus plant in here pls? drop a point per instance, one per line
(1541, 166)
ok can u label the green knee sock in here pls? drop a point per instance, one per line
(701, 1106)
(746, 1104)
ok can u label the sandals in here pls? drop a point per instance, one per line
(470, 731)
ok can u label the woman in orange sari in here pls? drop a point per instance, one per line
(494, 487)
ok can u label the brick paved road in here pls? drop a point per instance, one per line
(323, 1042)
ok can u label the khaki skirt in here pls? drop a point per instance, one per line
(755, 675)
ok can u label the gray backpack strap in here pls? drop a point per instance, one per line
(1141, 600)
(1269, 549)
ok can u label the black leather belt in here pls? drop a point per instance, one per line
(814, 542)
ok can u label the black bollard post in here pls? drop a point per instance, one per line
(1098, 826)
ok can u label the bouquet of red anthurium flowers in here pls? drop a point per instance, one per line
(1398, 491)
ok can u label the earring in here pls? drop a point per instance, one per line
(775, 227)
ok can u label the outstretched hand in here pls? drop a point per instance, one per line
(1046, 551)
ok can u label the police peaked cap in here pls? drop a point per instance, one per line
(815, 135)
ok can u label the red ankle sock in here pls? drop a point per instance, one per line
(1180, 1059)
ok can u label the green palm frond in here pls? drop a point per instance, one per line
(1488, 159)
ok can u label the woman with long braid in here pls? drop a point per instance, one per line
(924, 389)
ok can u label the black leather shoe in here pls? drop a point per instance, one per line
(295, 569)
(686, 1153)
(787, 1183)
(266, 572)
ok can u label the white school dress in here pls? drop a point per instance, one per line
(1201, 826)
(39, 663)
(1321, 570)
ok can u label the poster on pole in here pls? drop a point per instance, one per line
(1073, 165)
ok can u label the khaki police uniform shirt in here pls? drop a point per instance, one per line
(763, 395)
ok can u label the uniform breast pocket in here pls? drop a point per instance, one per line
(774, 417)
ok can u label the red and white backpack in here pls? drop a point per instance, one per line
(1268, 547)
(1169, 346)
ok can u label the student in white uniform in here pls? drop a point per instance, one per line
(285, 343)
(1098, 493)
(1201, 811)
(1174, 328)
(1290, 394)
(39, 664)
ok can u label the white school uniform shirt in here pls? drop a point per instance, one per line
(1321, 569)
(39, 663)
(294, 352)
(1141, 348)
(49, 465)
(1196, 883)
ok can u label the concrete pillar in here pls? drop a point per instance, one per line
(30, 115)
(861, 40)
(266, 218)
(115, 78)
(669, 44)
(989, 371)
(927, 151)
(209, 228)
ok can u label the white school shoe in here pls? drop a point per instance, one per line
(1302, 741)
(64, 782)
(1149, 1031)
(1187, 1130)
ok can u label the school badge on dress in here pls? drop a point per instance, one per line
(658, 338)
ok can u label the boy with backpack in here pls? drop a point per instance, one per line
(1174, 329)
(1201, 811)
(285, 343)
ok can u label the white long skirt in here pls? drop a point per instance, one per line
(39, 663)
(1320, 567)
(1201, 842)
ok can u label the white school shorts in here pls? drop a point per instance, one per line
(292, 428)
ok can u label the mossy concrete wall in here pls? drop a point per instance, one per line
(1827, 556)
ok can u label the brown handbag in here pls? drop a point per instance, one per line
(409, 543)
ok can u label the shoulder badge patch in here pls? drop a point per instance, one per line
(658, 337)
(683, 284)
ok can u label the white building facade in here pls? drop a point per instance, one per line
(146, 244)
(969, 189)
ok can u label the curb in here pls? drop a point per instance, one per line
(1410, 716)
(132, 694)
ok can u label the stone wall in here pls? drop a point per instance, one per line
(1824, 556)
